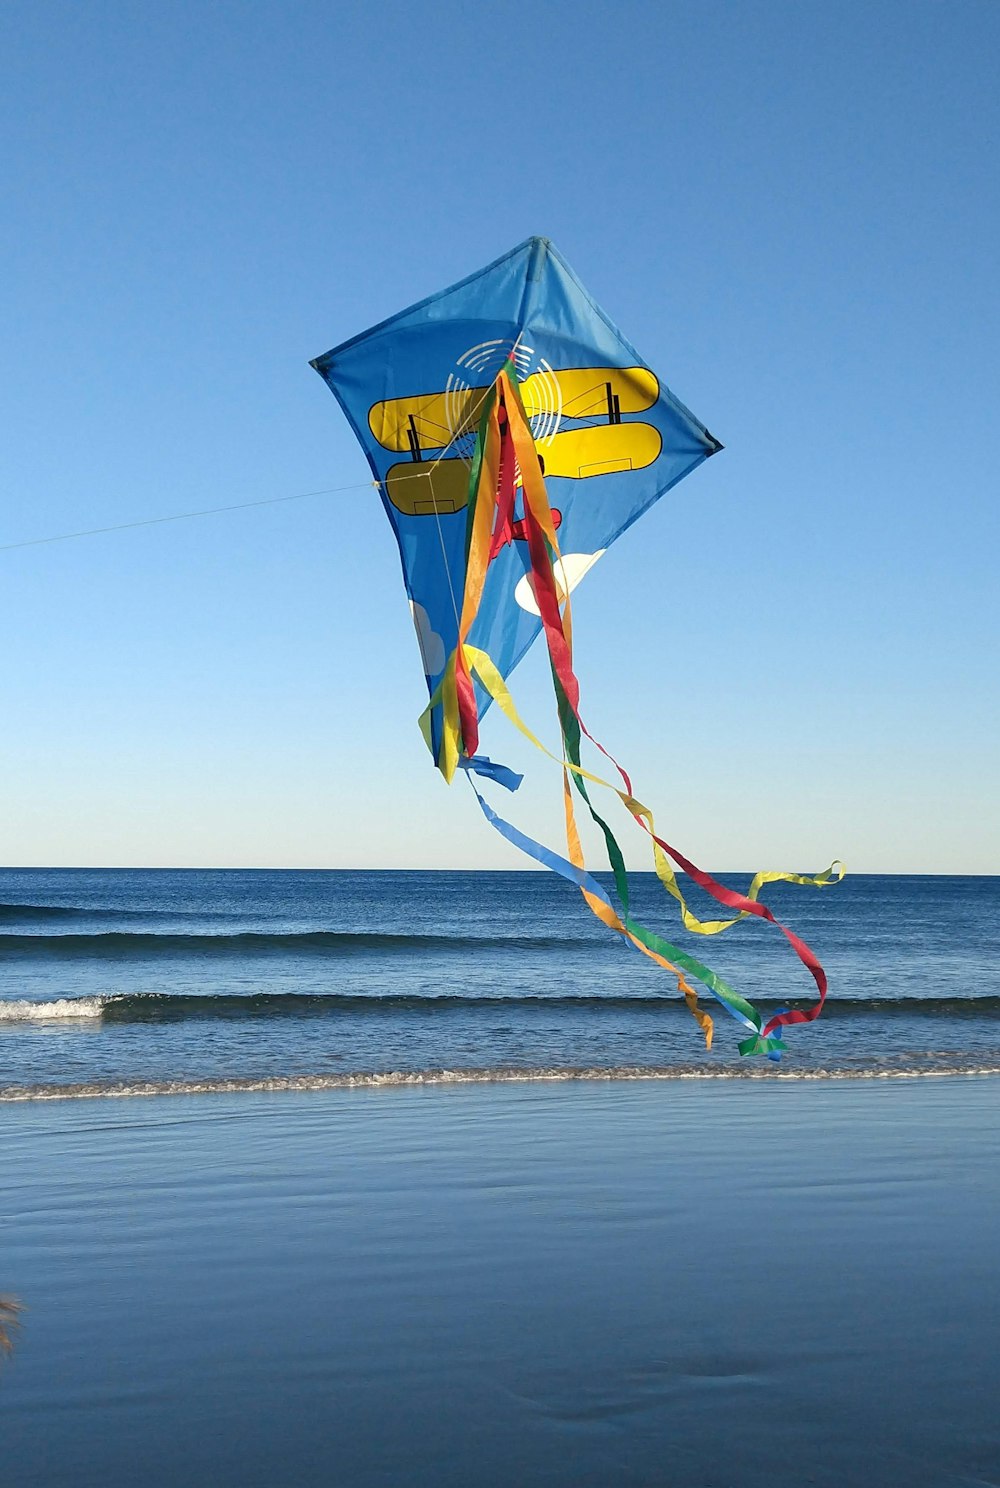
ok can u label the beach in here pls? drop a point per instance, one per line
(587, 1283)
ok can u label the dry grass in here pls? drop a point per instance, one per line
(10, 1321)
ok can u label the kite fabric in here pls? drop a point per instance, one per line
(514, 434)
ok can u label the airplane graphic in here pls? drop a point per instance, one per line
(598, 441)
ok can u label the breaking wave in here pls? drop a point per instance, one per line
(22, 1011)
(161, 1007)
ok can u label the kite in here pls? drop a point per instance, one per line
(514, 434)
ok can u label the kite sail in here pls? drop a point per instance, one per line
(514, 434)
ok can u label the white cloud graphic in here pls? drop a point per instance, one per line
(570, 569)
(430, 643)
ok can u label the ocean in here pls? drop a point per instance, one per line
(117, 982)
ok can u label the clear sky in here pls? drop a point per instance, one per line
(791, 208)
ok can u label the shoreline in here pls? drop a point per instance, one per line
(401, 1079)
(631, 1282)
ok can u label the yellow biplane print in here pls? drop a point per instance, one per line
(436, 430)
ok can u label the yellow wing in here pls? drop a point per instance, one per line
(432, 421)
(421, 488)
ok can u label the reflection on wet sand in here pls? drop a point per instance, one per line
(10, 1321)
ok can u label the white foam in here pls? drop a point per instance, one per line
(60, 1007)
(387, 1078)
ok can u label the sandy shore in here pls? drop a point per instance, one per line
(587, 1284)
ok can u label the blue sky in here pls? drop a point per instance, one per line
(792, 211)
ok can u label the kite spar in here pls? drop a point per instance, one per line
(514, 435)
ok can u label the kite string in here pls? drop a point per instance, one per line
(212, 511)
(444, 558)
(208, 511)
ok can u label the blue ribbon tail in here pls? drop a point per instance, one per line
(540, 853)
(480, 765)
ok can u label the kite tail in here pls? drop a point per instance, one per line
(505, 449)
(668, 956)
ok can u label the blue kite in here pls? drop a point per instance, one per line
(514, 434)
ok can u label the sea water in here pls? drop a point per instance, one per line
(146, 981)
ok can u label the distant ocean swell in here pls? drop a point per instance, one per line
(39, 912)
(154, 1007)
(378, 1079)
(119, 943)
(80, 911)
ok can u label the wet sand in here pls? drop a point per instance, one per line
(588, 1284)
